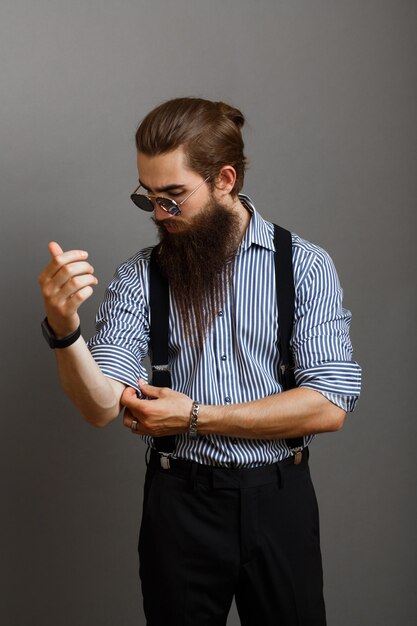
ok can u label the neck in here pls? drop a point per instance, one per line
(243, 213)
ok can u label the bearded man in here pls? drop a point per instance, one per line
(230, 510)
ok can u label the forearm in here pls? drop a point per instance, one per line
(292, 413)
(66, 282)
(96, 396)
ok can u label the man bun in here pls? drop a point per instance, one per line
(209, 132)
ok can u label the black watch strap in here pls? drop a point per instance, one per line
(53, 341)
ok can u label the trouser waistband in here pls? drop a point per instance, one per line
(224, 477)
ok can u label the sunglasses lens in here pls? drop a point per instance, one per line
(142, 202)
(168, 205)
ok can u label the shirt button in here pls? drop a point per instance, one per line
(234, 440)
(220, 314)
(223, 357)
(228, 399)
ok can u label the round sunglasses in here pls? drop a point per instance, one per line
(146, 201)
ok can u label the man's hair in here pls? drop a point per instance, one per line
(209, 132)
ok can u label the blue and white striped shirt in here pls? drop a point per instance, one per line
(240, 358)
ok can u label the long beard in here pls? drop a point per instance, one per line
(199, 264)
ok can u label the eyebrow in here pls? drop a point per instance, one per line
(162, 189)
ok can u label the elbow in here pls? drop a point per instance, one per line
(94, 421)
(102, 415)
(328, 416)
(100, 420)
(97, 423)
(336, 419)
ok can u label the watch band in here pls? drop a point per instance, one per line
(53, 341)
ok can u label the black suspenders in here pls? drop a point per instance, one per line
(159, 329)
(159, 325)
(284, 280)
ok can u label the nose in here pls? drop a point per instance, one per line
(159, 213)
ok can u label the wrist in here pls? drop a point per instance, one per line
(62, 328)
(212, 419)
(193, 423)
(55, 341)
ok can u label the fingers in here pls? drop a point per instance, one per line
(130, 399)
(61, 259)
(149, 390)
(66, 283)
(138, 409)
(70, 280)
(54, 248)
(167, 414)
(132, 422)
(68, 277)
(129, 392)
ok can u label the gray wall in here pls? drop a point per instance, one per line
(329, 90)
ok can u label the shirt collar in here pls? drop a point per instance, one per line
(259, 231)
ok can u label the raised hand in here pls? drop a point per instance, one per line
(66, 282)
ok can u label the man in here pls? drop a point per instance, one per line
(231, 512)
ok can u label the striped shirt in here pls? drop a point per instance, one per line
(240, 358)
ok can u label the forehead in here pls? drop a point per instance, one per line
(166, 169)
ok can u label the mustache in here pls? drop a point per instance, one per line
(169, 221)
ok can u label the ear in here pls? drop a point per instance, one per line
(225, 180)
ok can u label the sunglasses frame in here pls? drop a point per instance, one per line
(154, 199)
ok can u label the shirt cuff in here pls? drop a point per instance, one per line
(338, 381)
(118, 363)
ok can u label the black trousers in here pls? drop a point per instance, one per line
(211, 534)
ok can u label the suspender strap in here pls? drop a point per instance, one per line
(159, 329)
(284, 278)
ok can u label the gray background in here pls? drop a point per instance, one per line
(329, 91)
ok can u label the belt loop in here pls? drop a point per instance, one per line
(147, 455)
(193, 476)
(280, 476)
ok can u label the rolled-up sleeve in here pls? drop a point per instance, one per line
(321, 344)
(122, 327)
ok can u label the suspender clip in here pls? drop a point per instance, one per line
(160, 368)
(298, 455)
(165, 464)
